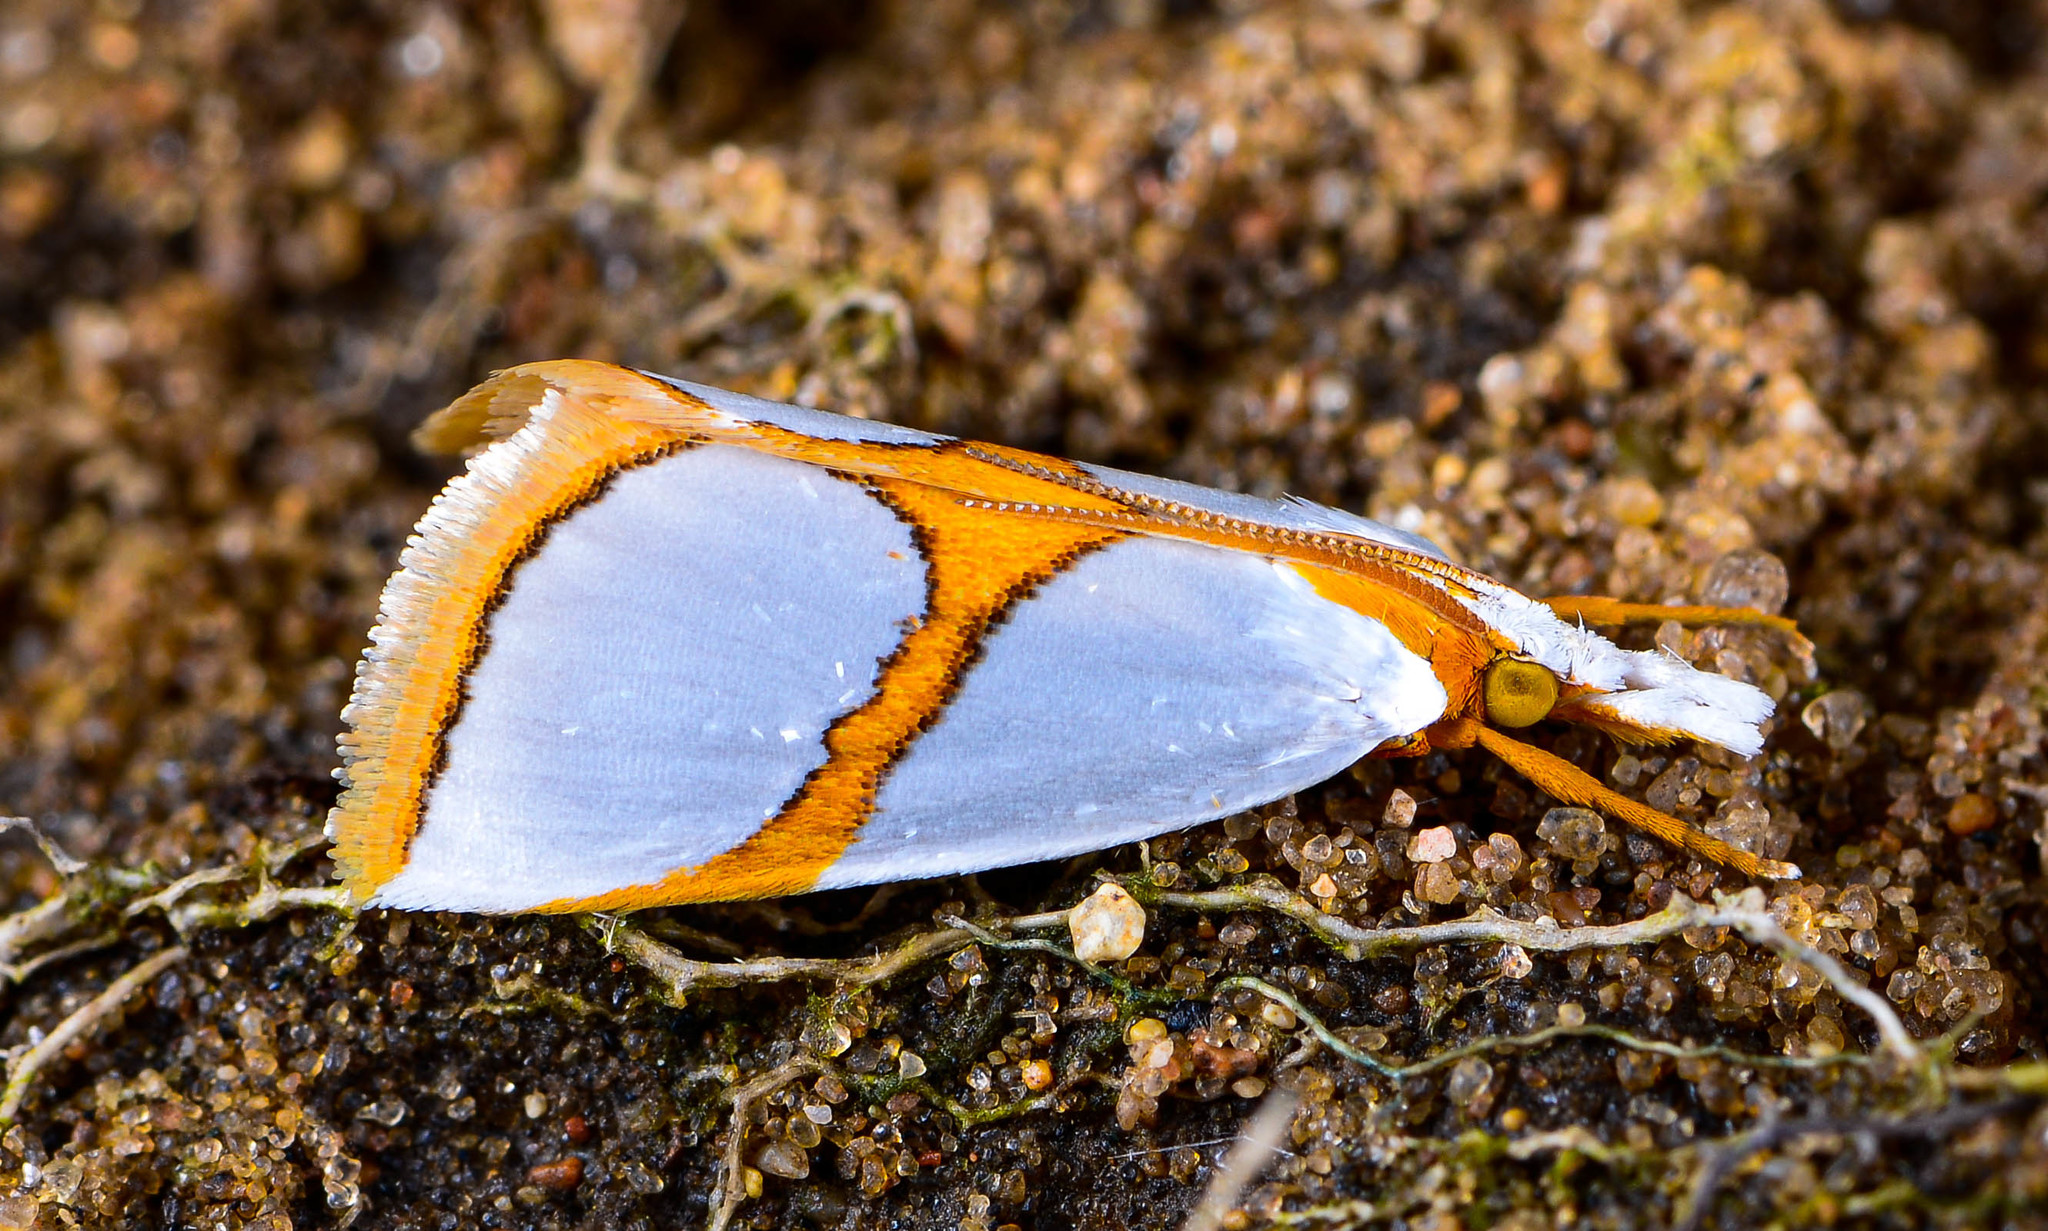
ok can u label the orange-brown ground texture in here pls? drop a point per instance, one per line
(1742, 301)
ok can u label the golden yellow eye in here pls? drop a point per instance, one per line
(1519, 693)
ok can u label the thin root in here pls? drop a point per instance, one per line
(87, 1018)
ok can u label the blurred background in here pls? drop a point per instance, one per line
(1603, 295)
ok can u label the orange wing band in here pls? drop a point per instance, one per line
(978, 566)
(433, 630)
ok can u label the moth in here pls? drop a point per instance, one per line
(663, 643)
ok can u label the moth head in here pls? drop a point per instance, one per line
(1553, 669)
(1656, 697)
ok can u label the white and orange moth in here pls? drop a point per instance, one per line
(664, 643)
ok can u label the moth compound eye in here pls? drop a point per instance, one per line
(1519, 693)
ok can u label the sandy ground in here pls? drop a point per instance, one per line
(1714, 302)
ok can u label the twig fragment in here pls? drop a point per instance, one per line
(683, 976)
(54, 925)
(169, 896)
(66, 863)
(1721, 1158)
(18, 972)
(1246, 1160)
(269, 901)
(1535, 1038)
(46, 921)
(1759, 928)
(733, 1187)
(1743, 912)
(85, 1018)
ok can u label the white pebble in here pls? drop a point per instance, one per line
(1108, 925)
(1433, 845)
(1400, 813)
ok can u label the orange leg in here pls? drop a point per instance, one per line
(1572, 785)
